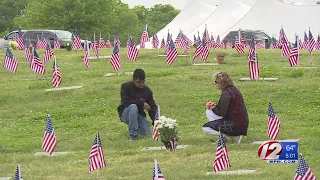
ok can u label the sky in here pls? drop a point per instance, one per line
(178, 4)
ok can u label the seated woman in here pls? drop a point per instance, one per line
(230, 115)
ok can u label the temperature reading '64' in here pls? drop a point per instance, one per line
(290, 147)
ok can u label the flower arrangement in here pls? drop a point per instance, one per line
(168, 132)
(13, 45)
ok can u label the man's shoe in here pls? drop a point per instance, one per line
(133, 138)
(237, 139)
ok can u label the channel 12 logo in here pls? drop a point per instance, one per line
(279, 152)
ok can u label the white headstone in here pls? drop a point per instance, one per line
(205, 64)
(162, 148)
(112, 74)
(100, 57)
(64, 88)
(5, 178)
(53, 154)
(297, 67)
(182, 55)
(236, 172)
(286, 140)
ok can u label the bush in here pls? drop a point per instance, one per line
(13, 45)
(67, 45)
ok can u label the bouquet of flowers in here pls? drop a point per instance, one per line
(168, 132)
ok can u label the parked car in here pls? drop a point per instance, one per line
(51, 35)
(259, 36)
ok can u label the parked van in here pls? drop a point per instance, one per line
(51, 35)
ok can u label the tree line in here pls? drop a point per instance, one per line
(87, 16)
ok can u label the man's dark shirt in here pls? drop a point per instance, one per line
(130, 94)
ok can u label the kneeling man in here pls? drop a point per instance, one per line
(136, 97)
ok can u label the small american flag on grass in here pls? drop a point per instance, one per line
(273, 123)
(19, 40)
(56, 76)
(49, 141)
(172, 53)
(155, 131)
(10, 62)
(48, 53)
(133, 51)
(157, 173)
(36, 63)
(311, 42)
(115, 58)
(294, 55)
(27, 53)
(96, 157)
(86, 53)
(17, 174)
(221, 161)
(303, 171)
(163, 43)
(254, 68)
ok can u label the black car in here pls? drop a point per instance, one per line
(33, 35)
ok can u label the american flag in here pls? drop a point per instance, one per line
(144, 37)
(221, 161)
(174, 143)
(305, 41)
(133, 51)
(172, 53)
(108, 42)
(48, 53)
(186, 47)
(39, 43)
(27, 53)
(273, 44)
(128, 41)
(96, 157)
(186, 39)
(282, 36)
(19, 40)
(205, 51)
(239, 44)
(206, 36)
(178, 42)
(157, 173)
(44, 41)
(195, 41)
(273, 123)
(93, 40)
(17, 174)
(198, 50)
(115, 58)
(254, 68)
(218, 43)
(168, 42)
(155, 41)
(300, 44)
(76, 42)
(10, 62)
(212, 42)
(86, 53)
(163, 43)
(318, 43)
(116, 40)
(311, 42)
(95, 46)
(101, 42)
(56, 43)
(155, 132)
(303, 171)
(294, 55)
(56, 76)
(285, 48)
(36, 63)
(49, 141)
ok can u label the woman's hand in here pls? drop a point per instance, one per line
(210, 105)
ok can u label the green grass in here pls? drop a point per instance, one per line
(180, 89)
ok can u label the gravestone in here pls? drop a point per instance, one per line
(53, 154)
(235, 172)
(64, 88)
(162, 148)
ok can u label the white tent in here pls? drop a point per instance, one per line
(230, 15)
(270, 15)
(227, 14)
(190, 17)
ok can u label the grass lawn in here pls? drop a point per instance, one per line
(180, 89)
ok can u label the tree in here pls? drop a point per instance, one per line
(8, 10)
(160, 15)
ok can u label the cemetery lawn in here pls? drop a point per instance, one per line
(180, 89)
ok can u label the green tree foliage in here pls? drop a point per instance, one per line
(8, 10)
(87, 16)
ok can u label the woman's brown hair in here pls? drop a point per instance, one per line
(222, 80)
